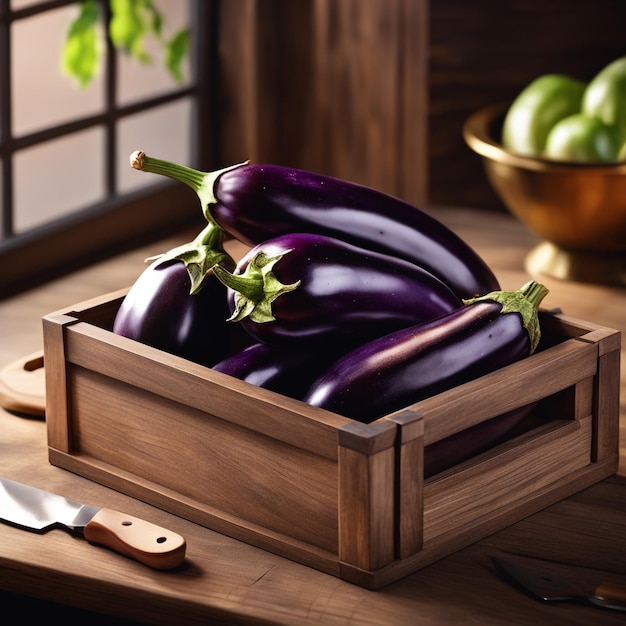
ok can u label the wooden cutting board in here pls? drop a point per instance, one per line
(23, 387)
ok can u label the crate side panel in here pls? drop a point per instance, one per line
(180, 380)
(522, 466)
(224, 465)
(197, 512)
(507, 389)
(481, 527)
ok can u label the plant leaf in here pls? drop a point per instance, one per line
(175, 52)
(127, 28)
(81, 51)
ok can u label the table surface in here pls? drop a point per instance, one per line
(227, 581)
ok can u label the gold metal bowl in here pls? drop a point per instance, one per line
(577, 209)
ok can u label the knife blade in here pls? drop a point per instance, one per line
(38, 510)
(548, 588)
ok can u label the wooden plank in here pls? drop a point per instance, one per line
(284, 488)
(607, 407)
(583, 399)
(125, 362)
(58, 392)
(496, 480)
(536, 377)
(409, 508)
(366, 494)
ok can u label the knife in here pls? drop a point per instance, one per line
(548, 588)
(38, 510)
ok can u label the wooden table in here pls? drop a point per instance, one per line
(224, 580)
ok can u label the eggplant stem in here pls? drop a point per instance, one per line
(203, 183)
(524, 301)
(255, 289)
(200, 256)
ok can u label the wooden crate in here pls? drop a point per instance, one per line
(347, 498)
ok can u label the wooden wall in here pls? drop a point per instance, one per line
(335, 86)
(376, 91)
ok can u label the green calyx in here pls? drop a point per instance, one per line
(203, 183)
(200, 256)
(255, 289)
(524, 301)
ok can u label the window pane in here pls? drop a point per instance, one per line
(59, 177)
(42, 94)
(164, 132)
(136, 80)
(21, 4)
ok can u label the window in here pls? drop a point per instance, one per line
(68, 194)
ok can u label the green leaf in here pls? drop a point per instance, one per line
(132, 21)
(128, 26)
(81, 51)
(175, 52)
(153, 18)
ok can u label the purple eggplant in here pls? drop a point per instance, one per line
(258, 202)
(310, 288)
(279, 368)
(409, 365)
(465, 444)
(160, 311)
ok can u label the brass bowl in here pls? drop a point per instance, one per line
(577, 209)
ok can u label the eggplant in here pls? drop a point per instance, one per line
(255, 202)
(465, 444)
(414, 363)
(305, 288)
(159, 310)
(278, 368)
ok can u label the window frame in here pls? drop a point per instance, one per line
(123, 220)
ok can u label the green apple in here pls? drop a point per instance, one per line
(605, 96)
(536, 110)
(583, 138)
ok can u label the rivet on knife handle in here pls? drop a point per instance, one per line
(143, 541)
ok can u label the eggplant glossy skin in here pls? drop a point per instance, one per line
(258, 202)
(346, 294)
(159, 311)
(414, 363)
(283, 370)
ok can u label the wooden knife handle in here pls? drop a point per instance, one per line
(612, 591)
(143, 541)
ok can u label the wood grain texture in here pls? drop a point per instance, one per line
(333, 87)
(366, 513)
(410, 483)
(57, 398)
